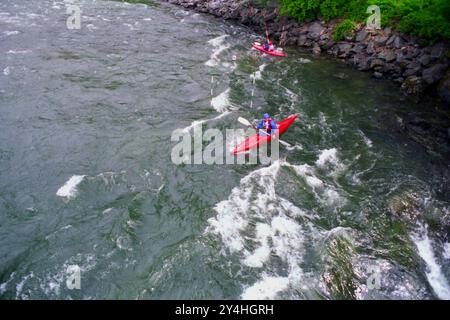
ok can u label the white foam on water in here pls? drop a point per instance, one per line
(91, 27)
(266, 289)
(7, 71)
(233, 214)
(258, 74)
(327, 156)
(130, 26)
(446, 253)
(106, 211)
(19, 286)
(367, 141)
(293, 97)
(329, 160)
(257, 224)
(434, 273)
(294, 147)
(219, 47)
(325, 193)
(200, 122)
(10, 33)
(18, 51)
(4, 284)
(304, 60)
(69, 189)
(3, 287)
(51, 283)
(221, 102)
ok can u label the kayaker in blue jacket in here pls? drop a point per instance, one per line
(268, 46)
(267, 124)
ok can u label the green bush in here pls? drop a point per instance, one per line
(343, 30)
(428, 19)
(333, 8)
(300, 9)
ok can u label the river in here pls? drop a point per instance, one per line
(86, 177)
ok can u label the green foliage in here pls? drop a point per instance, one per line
(300, 10)
(333, 8)
(428, 19)
(343, 30)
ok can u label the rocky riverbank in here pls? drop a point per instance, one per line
(387, 54)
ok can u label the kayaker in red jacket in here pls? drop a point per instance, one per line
(267, 124)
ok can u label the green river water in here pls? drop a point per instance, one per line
(86, 177)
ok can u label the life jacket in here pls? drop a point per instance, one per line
(266, 123)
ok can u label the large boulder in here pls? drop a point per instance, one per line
(425, 59)
(380, 40)
(438, 51)
(316, 49)
(387, 55)
(444, 88)
(370, 48)
(412, 69)
(315, 30)
(434, 74)
(302, 40)
(344, 48)
(361, 35)
(398, 42)
(361, 62)
(376, 63)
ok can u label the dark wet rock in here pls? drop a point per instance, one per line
(361, 35)
(387, 32)
(370, 48)
(412, 85)
(401, 59)
(425, 59)
(392, 69)
(444, 88)
(341, 75)
(315, 30)
(437, 51)
(393, 283)
(387, 55)
(316, 49)
(358, 48)
(406, 206)
(302, 40)
(412, 53)
(361, 61)
(434, 73)
(376, 63)
(412, 69)
(329, 44)
(377, 75)
(398, 42)
(344, 49)
(380, 40)
(390, 40)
